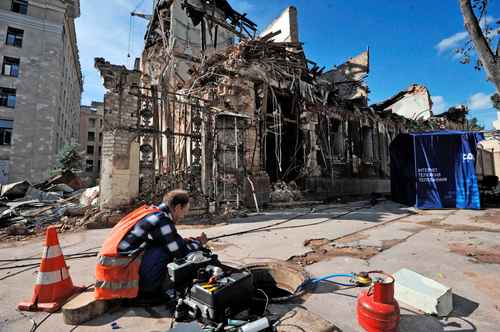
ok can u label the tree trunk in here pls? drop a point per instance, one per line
(491, 63)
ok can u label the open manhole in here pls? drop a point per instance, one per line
(276, 282)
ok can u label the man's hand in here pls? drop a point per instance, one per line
(202, 238)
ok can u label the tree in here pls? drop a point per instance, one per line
(473, 125)
(69, 158)
(482, 41)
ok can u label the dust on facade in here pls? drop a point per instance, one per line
(227, 113)
(40, 86)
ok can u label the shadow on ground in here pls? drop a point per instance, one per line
(114, 314)
(456, 321)
(360, 212)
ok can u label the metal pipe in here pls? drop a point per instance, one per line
(254, 195)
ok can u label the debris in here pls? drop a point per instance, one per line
(103, 219)
(423, 293)
(67, 177)
(14, 190)
(74, 211)
(43, 196)
(285, 193)
(38, 209)
(61, 187)
(17, 229)
(90, 197)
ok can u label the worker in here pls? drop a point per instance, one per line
(132, 263)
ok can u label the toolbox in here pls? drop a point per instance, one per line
(221, 300)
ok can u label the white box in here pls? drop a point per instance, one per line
(422, 293)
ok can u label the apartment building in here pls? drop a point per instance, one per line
(91, 130)
(40, 85)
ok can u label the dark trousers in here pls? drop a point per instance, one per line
(153, 270)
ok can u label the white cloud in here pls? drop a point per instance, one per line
(486, 20)
(456, 40)
(439, 105)
(242, 6)
(451, 42)
(480, 101)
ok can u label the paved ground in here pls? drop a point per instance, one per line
(458, 248)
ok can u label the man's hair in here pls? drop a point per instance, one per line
(176, 197)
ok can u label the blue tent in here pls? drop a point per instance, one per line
(432, 170)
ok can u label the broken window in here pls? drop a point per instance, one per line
(90, 149)
(20, 6)
(100, 151)
(14, 37)
(10, 66)
(91, 136)
(100, 125)
(6, 132)
(89, 165)
(92, 123)
(8, 97)
(100, 137)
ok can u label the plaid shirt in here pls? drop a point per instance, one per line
(157, 229)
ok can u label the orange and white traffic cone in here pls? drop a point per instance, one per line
(53, 283)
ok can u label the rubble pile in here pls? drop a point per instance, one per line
(27, 209)
(283, 193)
(262, 60)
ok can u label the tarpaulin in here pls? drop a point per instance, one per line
(435, 169)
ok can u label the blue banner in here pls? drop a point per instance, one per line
(444, 169)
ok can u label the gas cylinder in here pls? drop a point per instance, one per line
(377, 309)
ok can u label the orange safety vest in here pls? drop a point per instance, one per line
(117, 277)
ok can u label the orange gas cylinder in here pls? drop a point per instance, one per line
(377, 309)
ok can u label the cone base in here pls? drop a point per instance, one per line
(48, 306)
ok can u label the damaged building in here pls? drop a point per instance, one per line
(227, 113)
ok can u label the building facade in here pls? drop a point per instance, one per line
(40, 86)
(228, 120)
(91, 133)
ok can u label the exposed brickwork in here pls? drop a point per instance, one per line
(120, 149)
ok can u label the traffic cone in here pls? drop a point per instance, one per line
(53, 283)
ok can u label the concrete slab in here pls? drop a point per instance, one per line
(476, 298)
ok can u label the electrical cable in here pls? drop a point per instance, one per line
(9, 275)
(131, 28)
(36, 264)
(267, 300)
(37, 325)
(273, 226)
(327, 278)
(86, 251)
(318, 222)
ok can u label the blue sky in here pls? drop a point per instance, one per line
(409, 43)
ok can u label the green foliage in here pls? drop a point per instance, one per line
(69, 159)
(473, 125)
